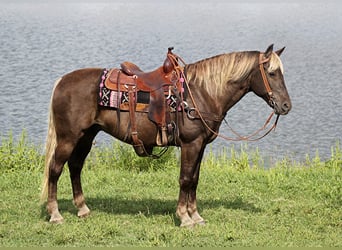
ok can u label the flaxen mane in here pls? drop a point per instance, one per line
(216, 72)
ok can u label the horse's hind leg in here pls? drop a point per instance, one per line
(61, 155)
(75, 164)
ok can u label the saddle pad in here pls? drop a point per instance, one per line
(113, 99)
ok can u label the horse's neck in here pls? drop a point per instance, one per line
(218, 102)
(221, 81)
(233, 94)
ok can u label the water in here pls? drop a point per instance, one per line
(42, 40)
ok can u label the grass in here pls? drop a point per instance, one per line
(133, 200)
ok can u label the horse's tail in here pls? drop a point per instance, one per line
(50, 146)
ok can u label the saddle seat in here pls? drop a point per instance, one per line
(130, 68)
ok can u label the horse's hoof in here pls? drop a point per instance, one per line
(83, 212)
(83, 215)
(201, 223)
(198, 220)
(56, 220)
(188, 224)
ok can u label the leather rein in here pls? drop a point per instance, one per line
(205, 117)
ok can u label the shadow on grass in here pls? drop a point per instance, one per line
(148, 207)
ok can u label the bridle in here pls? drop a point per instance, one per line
(199, 115)
(262, 61)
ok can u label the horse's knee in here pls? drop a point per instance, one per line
(185, 182)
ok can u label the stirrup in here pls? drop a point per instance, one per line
(162, 139)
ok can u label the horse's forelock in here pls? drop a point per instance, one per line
(275, 63)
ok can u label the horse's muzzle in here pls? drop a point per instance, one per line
(281, 108)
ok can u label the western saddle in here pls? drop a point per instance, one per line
(131, 79)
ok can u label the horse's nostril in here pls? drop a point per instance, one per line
(286, 106)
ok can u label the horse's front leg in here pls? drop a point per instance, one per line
(191, 156)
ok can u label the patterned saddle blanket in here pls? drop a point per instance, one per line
(115, 99)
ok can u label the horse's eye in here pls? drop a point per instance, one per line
(272, 73)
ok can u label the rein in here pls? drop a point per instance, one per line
(204, 117)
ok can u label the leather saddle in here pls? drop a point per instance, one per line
(130, 78)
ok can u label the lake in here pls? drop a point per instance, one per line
(43, 40)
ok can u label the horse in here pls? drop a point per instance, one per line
(214, 85)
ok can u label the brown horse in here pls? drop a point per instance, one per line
(214, 86)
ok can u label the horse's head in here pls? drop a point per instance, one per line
(267, 81)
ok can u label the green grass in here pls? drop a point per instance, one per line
(133, 200)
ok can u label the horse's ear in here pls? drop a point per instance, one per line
(269, 51)
(280, 51)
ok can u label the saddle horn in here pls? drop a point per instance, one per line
(168, 65)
